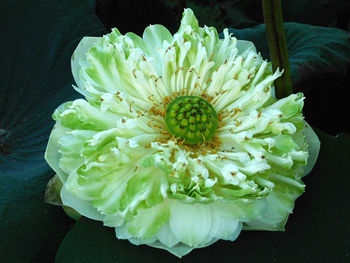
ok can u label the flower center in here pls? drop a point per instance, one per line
(191, 118)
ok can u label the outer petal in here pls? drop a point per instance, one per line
(191, 226)
(190, 223)
(79, 58)
(166, 236)
(79, 114)
(147, 222)
(224, 227)
(52, 153)
(274, 219)
(198, 224)
(280, 202)
(314, 147)
(82, 207)
(180, 249)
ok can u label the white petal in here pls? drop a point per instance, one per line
(52, 153)
(179, 250)
(314, 147)
(79, 58)
(166, 236)
(84, 208)
(224, 227)
(190, 223)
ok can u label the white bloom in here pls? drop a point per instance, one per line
(180, 141)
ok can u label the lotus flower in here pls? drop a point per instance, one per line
(179, 141)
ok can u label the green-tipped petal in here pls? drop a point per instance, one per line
(158, 39)
(80, 115)
(280, 205)
(188, 19)
(148, 221)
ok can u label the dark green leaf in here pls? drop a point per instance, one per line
(38, 38)
(317, 231)
(314, 12)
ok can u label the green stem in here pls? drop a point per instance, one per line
(277, 46)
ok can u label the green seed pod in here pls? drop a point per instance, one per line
(196, 115)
